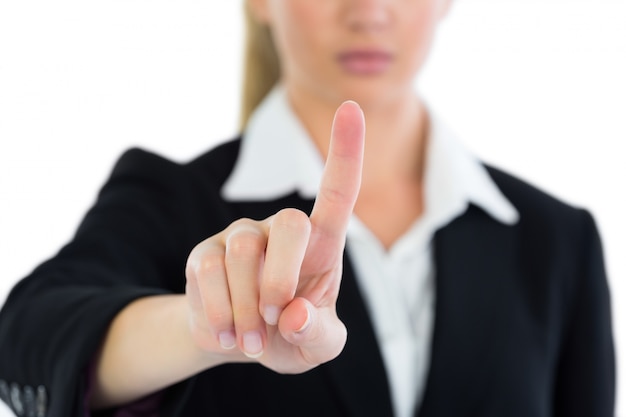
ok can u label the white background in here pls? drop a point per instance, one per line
(535, 86)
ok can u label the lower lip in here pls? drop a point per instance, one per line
(365, 63)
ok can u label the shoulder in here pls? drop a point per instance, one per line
(149, 175)
(146, 185)
(218, 162)
(137, 161)
(534, 204)
(548, 227)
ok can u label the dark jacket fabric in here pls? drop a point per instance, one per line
(522, 312)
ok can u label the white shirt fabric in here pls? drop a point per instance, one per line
(277, 157)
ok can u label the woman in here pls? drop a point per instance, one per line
(464, 291)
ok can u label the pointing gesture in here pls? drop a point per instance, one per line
(266, 290)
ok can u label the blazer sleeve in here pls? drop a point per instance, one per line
(126, 247)
(585, 379)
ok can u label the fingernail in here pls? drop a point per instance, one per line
(252, 344)
(307, 322)
(227, 339)
(353, 102)
(271, 314)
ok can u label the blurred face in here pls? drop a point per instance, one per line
(366, 50)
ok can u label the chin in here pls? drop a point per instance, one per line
(373, 93)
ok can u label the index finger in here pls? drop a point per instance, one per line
(341, 179)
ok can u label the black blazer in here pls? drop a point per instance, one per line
(522, 322)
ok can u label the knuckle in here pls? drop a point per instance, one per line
(245, 242)
(243, 222)
(218, 317)
(246, 314)
(278, 286)
(210, 264)
(335, 195)
(206, 256)
(292, 219)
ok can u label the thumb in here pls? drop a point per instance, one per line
(318, 332)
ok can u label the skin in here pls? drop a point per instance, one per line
(396, 119)
(265, 291)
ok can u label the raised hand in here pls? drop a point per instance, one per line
(268, 289)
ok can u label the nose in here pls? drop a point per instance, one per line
(367, 15)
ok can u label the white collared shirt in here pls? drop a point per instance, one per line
(277, 157)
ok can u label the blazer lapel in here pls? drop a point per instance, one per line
(474, 258)
(358, 374)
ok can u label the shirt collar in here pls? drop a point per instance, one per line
(277, 158)
(454, 177)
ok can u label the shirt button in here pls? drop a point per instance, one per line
(16, 400)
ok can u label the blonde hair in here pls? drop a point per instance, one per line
(261, 68)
